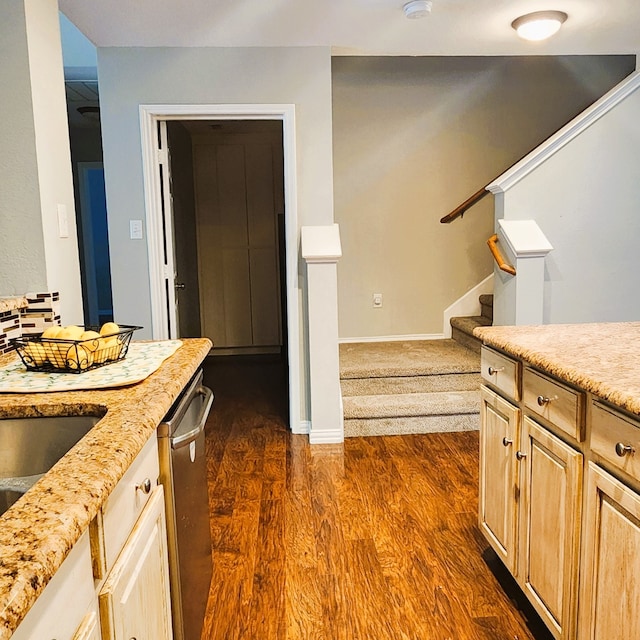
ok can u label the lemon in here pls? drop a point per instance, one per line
(72, 332)
(79, 358)
(90, 340)
(51, 332)
(109, 328)
(56, 354)
(35, 354)
(109, 349)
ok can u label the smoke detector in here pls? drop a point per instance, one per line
(417, 9)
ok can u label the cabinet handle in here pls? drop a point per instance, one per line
(493, 370)
(544, 400)
(520, 455)
(623, 450)
(506, 442)
(144, 486)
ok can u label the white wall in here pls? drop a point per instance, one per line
(413, 138)
(35, 170)
(132, 76)
(586, 200)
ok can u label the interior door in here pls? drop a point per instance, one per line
(164, 167)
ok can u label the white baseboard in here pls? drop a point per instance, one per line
(303, 427)
(467, 305)
(403, 338)
(327, 436)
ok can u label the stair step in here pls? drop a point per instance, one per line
(410, 384)
(411, 413)
(462, 331)
(410, 358)
(486, 305)
(404, 405)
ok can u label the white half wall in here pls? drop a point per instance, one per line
(467, 305)
(585, 198)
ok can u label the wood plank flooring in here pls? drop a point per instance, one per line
(373, 539)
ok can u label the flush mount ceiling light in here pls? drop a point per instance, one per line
(417, 9)
(539, 25)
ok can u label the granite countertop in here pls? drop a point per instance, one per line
(37, 532)
(11, 303)
(602, 358)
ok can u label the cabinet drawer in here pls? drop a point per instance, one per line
(560, 405)
(501, 371)
(611, 437)
(122, 508)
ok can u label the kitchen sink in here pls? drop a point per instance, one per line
(29, 447)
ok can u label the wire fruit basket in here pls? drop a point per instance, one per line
(61, 355)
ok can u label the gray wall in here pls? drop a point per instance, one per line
(132, 76)
(22, 260)
(585, 198)
(35, 169)
(412, 139)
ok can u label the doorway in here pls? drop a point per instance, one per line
(165, 260)
(228, 233)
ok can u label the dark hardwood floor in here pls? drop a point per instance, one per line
(373, 539)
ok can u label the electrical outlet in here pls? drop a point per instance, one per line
(377, 300)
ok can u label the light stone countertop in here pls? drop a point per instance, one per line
(603, 358)
(11, 303)
(37, 532)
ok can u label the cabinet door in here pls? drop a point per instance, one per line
(497, 508)
(550, 528)
(610, 580)
(134, 601)
(89, 629)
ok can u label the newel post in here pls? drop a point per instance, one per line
(321, 250)
(529, 247)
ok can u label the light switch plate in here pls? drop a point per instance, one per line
(135, 229)
(63, 221)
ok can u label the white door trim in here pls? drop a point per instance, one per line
(150, 115)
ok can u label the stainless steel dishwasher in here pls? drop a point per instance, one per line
(183, 472)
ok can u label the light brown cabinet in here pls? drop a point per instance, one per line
(498, 504)
(551, 497)
(531, 487)
(610, 581)
(610, 593)
(560, 499)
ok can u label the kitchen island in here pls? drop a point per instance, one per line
(559, 497)
(38, 532)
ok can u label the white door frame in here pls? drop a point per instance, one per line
(150, 115)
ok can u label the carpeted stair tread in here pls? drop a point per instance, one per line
(405, 358)
(410, 384)
(443, 403)
(410, 425)
(467, 324)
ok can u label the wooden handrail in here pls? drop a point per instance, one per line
(460, 210)
(497, 256)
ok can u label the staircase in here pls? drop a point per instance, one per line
(462, 328)
(418, 386)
